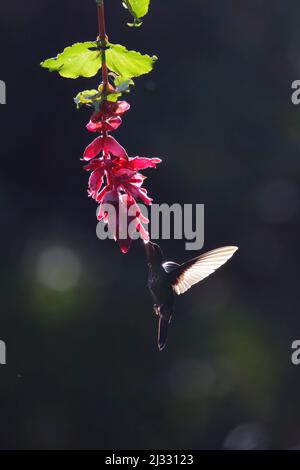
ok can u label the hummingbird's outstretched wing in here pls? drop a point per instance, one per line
(184, 276)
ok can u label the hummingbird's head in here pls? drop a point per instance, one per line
(154, 255)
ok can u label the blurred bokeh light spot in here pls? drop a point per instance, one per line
(58, 268)
(191, 379)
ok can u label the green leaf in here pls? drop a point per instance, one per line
(138, 9)
(122, 85)
(126, 63)
(94, 97)
(83, 59)
(87, 97)
(79, 60)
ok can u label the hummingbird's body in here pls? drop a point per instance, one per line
(163, 298)
(159, 287)
(169, 278)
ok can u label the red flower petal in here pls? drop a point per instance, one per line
(112, 146)
(108, 144)
(125, 244)
(95, 182)
(113, 123)
(110, 108)
(123, 174)
(103, 192)
(94, 165)
(93, 149)
(144, 233)
(110, 124)
(95, 126)
(123, 106)
(138, 193)
(140, 163)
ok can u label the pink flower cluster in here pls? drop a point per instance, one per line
(115, 178)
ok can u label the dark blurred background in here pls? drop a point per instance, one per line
(83, 369)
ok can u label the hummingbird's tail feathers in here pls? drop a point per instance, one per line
(163, 327)
(193, 271)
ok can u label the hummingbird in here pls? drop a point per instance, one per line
(167, 279)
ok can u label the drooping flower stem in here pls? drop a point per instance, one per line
(103, 44)
(115, 178)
